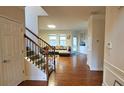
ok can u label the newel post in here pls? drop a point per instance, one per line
(54, 60)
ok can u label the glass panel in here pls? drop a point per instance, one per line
(74, 43)
(62, 40)
(62, 43)
(53, 40)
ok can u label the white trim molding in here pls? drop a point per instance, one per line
(118, 73)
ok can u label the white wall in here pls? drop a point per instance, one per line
(33, 72)
(31, 18)
(12, 12)
(114, 53)
(96, 31)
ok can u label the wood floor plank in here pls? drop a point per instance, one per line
(74, 71)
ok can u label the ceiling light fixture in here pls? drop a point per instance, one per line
(51, 26)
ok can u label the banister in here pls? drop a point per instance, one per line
(31, 40)
(32, 44)
(39, 37)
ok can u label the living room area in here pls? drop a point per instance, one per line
(67, 29)
(66, 43)
(78, 43)
(67, 34)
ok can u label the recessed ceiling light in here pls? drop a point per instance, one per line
(51, 26)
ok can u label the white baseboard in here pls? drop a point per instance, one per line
(104, 84)
(95, 69)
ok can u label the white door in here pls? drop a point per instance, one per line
(12, 47)
(1, 72)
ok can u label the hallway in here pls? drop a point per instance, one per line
(73, 71)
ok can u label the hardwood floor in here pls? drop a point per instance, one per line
(73, 71)
(70, 71)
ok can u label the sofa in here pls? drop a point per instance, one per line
(63, 50)
(59, 50)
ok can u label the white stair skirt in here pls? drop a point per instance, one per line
(33, 72)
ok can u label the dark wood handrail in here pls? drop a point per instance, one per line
(39, 38)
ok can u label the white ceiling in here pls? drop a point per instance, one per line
(68, 17)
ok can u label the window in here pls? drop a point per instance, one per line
(53, 39)
(62, 40)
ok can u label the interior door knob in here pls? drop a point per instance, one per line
(5, 61)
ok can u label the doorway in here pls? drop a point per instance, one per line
(75, 46)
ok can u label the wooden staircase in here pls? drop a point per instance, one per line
(40, 53)
(36, 59)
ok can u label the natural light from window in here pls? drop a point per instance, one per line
(62, 40)
(57, 39)
(53, 39)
